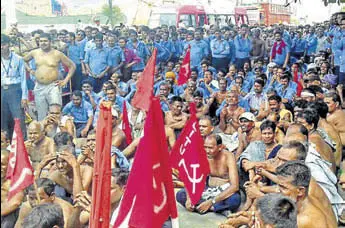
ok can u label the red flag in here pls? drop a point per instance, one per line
(19, 171)
(100, 213)
(189, 157)
(147, 201)
(141, 99)
(126, 127)
(185, 70)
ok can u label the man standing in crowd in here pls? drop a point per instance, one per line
(48, 85)
(14, 91)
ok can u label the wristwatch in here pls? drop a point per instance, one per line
(213, 201)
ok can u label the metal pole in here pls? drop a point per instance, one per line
(111, 13)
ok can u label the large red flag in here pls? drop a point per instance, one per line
(189, 157)
(100, 210)
(144, 85)
(126, 127)
(19, 171)
(185, 70)
(149, 197)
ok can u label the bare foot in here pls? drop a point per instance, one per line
(238, 221)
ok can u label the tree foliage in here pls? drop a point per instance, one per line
(115, 16)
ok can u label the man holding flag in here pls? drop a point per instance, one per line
(189, 157)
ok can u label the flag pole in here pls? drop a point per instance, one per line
(36, 190)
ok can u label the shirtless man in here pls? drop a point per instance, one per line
(223, 175)
(175, 118)
(205, 126)
(71, 176)
(54, 122)
(48, 86)
(310, 118)
(86, 157)
(220, 95)
(201, 108)
(247, 132)
(38, 145)
(294, 182)
(45, 192)
(322, 110)
(336, 116)
(8, 207)
(258, 50)
(229, 116)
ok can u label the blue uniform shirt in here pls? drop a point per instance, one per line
(80, 114)
(199, 50)
(242, 47)
(98, 60)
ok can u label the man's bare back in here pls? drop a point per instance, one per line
(337, 119)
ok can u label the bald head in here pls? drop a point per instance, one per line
(35, 131)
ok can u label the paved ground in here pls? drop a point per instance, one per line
(195, 220)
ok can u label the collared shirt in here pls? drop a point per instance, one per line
(98, 59)
(243, 47)
(199, 50)
(287, 93)
(130, 56)
(95, 97)
(162, 53)
(337, 45)
(311, 45)
(116, 56)
(178, 45)
(75, 52)
(89, 45)
(140, 50)
(232, 52)
(280, 58)
(80, 114)
(13, 72)
(342, 56)
(118, 103)
(255, 100)
(322, 44)
(220, 48)
(169, 46)
(298, 45)
(82, 43)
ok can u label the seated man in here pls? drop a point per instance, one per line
(71, 177)
(294, 180)
(222, 189)
(229, 120)
(45, 192)
(175, 118)
(82, 113)
(38, 145)
(9, 208)
(247, 132)
(55, 122)
(310, 119)
(45, 215)
(272, 210)
(259, 151)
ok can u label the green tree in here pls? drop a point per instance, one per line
(115, 16)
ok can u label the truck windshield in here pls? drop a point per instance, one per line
(188, 20)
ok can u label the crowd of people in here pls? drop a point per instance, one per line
(270, 106)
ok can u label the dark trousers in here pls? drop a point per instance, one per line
(11, 108)
(9, 221)
(77, 78)
(79, 127)
(97, 83)
(231, 203)
(240, 62)
(220, 63)
(126, 74)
